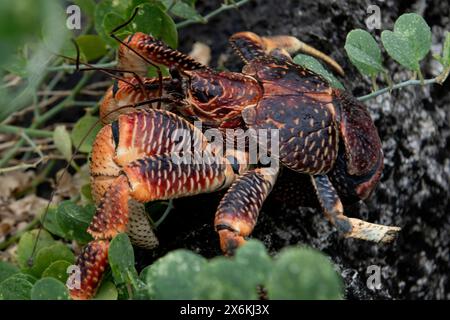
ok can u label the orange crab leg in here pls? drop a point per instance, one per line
(92, 262)
(239, 209)
(153, 50)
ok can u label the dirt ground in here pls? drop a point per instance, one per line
(414, 127)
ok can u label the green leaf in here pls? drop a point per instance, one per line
(110, 22)
(7, 270)
(303, 273)
(107, 291)
(172, 276)
(151, 19)
(315, 66)
(49, 289)
(121, 259)
(86, 128)
(414, 28)
(410, 42)
(51, 223)
(57, 270)
(91, 46)
(15, 288)
(62, 141)
(74, 220)
(363, 52)
(25, 276)
(86, 193)
(221, 279)
(399, 49)
(27, 243)
(183, 10)
(46, 256)
(102, 9)
(252, 258)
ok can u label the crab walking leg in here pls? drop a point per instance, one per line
(239, 209)
(91, 264)
(93, 260)
(251, 46)
(140, 45)
(350, 227)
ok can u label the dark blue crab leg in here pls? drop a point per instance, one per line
(350, 227)
(251, 46)
(239, 209)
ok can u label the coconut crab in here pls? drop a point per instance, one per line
(325, 135)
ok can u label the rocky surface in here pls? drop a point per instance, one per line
(413, 124)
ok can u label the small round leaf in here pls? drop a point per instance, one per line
(15, 288)
(304, 274)
(26, 245)
(49, 289)
(7, 270)
(85, 128)
(363, 52)
(172, 276)
(46, 256)
(74, 220)
(57, 270)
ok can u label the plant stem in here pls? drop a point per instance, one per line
(212, 14)
(165, 214)
(72, 67)
(5, 128)
(397, 86)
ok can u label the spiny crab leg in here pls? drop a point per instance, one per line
(248, 44)
(140, 45)
(239, 209)
(350, 227)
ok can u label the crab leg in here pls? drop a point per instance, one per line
(251, 46)
(140, 47)
(239, 209)
(350, 227)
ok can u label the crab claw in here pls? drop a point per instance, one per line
(371, 232)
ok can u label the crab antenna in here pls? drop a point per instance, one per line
(136, 76)
(123, 25)
(104, 70)
(78, 54)
(158, 69)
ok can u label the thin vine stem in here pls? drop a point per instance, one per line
(212, 14)
(397, 86)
